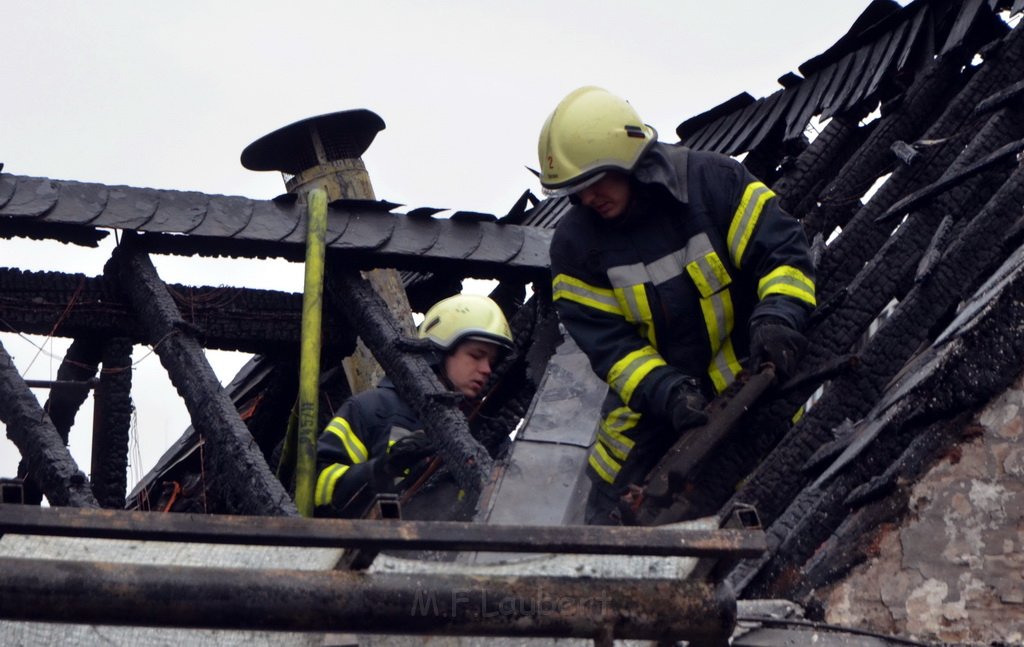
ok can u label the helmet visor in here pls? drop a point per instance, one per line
(570, 189)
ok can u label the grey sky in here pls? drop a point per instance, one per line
(167, 95)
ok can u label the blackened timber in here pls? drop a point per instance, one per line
(847, 547)
(814, 164)
(246, 483)
(80, 363)
(343, 601)
(112, 414)
(73, 305)
(977, 357)
(514, 382)
(851, 395)
(392, 535)
(41, 447)
(836, 331)
(1007, 153)
(191, 223)
(862, 236)
(841, 198)
(415, 381)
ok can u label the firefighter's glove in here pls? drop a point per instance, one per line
(686, 405)
(409, 451)
(773, 340)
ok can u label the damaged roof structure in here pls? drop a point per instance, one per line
(886, 475)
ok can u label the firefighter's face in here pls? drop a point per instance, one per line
(608, 197)
(469, 366)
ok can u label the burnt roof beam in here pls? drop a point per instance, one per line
(90, 309)
(369, 316)
(191, 223)
(245, 481)
(41, 446)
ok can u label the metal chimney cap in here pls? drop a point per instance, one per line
(294, 148)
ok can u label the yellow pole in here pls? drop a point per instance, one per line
(309, 361)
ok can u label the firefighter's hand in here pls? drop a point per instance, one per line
(686, 405)
(409, 451)
(773, 340)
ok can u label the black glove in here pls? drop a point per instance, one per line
(773, 340)
(409, 451)
(686, 405)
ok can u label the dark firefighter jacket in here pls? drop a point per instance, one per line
(356, 439)
(670, 287)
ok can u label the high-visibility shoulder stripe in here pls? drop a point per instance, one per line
(353, 446)
(744, 220)
(326, 481)
(626, 374)
(789, 281)
(573, 289)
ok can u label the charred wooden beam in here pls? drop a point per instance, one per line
(850, 396)
(73, 305)
(80, 363)
(245, 484)
(389, 535)
(862, 236)
(834, 331)
(514, 382)
(112, 417)
(977, 357)
(877, 503)
(414, 379)
(191, 223)
(1008, 154)
(841, 198)
(46, 456)
(796, 187)
(226, 598)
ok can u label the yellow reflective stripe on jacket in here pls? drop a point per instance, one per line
(353, 446)
(709, 274)
(789, 281)
(627, 373)
(744, 220)
(325, 483)
(724, 367)
(573, 289)
(612, 431)
(719, 319)
(603, 465)
(634, 304)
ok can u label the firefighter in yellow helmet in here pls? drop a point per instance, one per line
(674, 267)
(376, 438)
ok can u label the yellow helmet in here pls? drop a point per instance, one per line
(591, 131)
(465, 316)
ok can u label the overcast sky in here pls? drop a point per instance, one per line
(166, 95)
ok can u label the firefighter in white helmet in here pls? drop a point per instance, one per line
(376, 438)
(673, 268)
